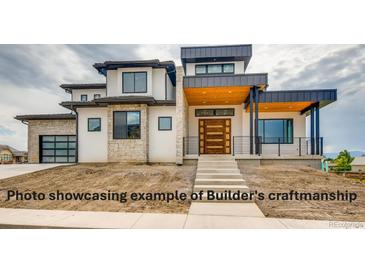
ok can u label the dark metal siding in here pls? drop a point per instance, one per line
(225, 80)
(216, 51)
(299, 96)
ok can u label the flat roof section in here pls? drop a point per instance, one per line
(61, 116)
(220, 53)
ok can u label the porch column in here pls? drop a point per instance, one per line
(312, 131)
(257, 100)
(317, 130)
(251, 120)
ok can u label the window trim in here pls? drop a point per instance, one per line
(82, 95)
(221, 64)
(214, 112)
(134, 81)
(159, 123)
(88, 124)
(140, 132)
(275, 143)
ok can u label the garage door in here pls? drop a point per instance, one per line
(57, 149)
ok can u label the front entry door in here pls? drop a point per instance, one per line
(215, 136)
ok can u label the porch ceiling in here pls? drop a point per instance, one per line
(234, 95)
(281, 106)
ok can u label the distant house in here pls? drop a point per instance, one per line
(10, 155)
(358, 164)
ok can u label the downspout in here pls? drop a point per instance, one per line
(317, 130)
(312, 130)
(77, 137)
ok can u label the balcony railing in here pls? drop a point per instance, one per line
(278, 146)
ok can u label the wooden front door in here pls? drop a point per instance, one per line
(215, 136)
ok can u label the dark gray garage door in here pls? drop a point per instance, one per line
(57, 149)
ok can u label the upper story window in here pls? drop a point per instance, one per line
(97, 96)
(274, 130)
(214, 69)
(134, 82)
(126, 125)
(83, 97)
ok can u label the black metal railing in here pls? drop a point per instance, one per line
(191, 145)
(280, 146)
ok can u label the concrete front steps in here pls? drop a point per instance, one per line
(219, 173)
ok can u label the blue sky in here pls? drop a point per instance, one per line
(30, 76)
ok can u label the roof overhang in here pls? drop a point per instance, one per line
(216, 54)
(69, 87)
(102, 68)
(294, 100)
(118, 100)
(222, 89)
(62, 116)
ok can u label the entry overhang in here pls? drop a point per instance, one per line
(221, 89)
(294, 100)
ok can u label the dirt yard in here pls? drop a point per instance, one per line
(283, 179)
(97, 178)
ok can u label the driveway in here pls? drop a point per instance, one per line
(7, 171)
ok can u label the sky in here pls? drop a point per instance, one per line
(30, 76)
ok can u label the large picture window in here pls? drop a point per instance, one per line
(274, 130)
(127, 125)
(134, 82)
(214, 69)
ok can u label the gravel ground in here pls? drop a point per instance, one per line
(98, 178)
(276, 179)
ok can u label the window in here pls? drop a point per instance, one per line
(214, 69)
(94, 124)
(164, 123)
(134, 82)
(6, 157)
(214, 112)
(126, 125)
(83, 97)
(97, 96)
(274, 130)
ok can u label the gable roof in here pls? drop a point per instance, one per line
(358, 161)
(14, 151)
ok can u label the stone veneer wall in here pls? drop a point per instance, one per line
(46, 127)
(181, 116)
(128, 150)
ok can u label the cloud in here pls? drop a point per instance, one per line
(30, 76)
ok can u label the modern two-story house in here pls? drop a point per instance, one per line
(153, 111)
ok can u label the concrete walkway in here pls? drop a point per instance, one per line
(7, 171)
(245, 217)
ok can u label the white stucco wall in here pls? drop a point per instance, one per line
(115, 81)
(76, 93)
(158, 83)
(162, 144)
(236, 119)
(93, 146)
(239, 67)
(171, 90)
